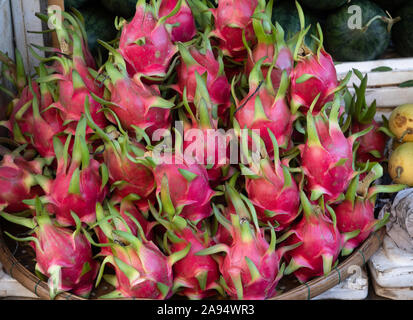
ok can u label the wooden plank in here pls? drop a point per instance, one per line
(6, 43)
(24, 20)
(382, 86)
(61, 4)
(400, 64)
(6, 46)
(10, 287)
(383, 79)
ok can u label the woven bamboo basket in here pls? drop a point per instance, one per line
(18, 262)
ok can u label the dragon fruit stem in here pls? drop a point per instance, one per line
(26, 222)
(313, 139)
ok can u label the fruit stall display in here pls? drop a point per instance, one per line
(95, 200)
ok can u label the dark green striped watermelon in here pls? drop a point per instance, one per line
(99, 24)
(390, 4)
(123, 8)
(353, 44)
(323, 4)
(285, 13)
(75, 3)
(403, 31)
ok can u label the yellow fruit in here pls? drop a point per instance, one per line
(401, 164)
(401, 122)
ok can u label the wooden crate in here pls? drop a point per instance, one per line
(383, 86)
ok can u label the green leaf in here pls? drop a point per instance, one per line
(188, 175)
(305, 77)
(381, 69)
(406, 84)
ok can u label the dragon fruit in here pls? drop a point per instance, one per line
(145, 43)
(321, 242)
(75, 86)
(272, 190)
(270, 45)
(327, 156)
(142, 270)
(19, 183)
(179, 181)
(251, 267)
(128, 170)
(78, 185)
(32, 121)
(194, 61)
(356, 212)
(129, 212)
(121, 216)
(232, 19)
(313, 74)
(137, 106)
(195, 277)
(202, 139)
(185, 30)
(73, 24)
(62, 255)
(372, 145)
(266, 109)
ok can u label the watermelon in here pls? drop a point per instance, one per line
(285, 13)
(402, 31)
(99, 24)
(357, 44)
(323, 4)
(390, 5)
(123, 8)
(75, 3)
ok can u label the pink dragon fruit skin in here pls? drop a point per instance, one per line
(271, 46)
(77, 186)
(231, 19)
(268, 110)
(186, 30)
(134, 103)
(213, 151)
(126, 217)
(192, 62)
(323, 81)
(131, 177)
(178, 184)
(31, 116)
(145, 43)
(142, 270)
(273, 191)
(327, 156)
(250, 268)
(372, 145)
(197, 275)
(17, 182)
(64, 256)
(138, 179)
(356, 212)
(126, 209)
(82, 203)
(75, 86)
(321, 243)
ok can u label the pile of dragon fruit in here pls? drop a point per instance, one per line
(105, 195)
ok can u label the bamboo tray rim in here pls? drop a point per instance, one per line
(305, 291)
